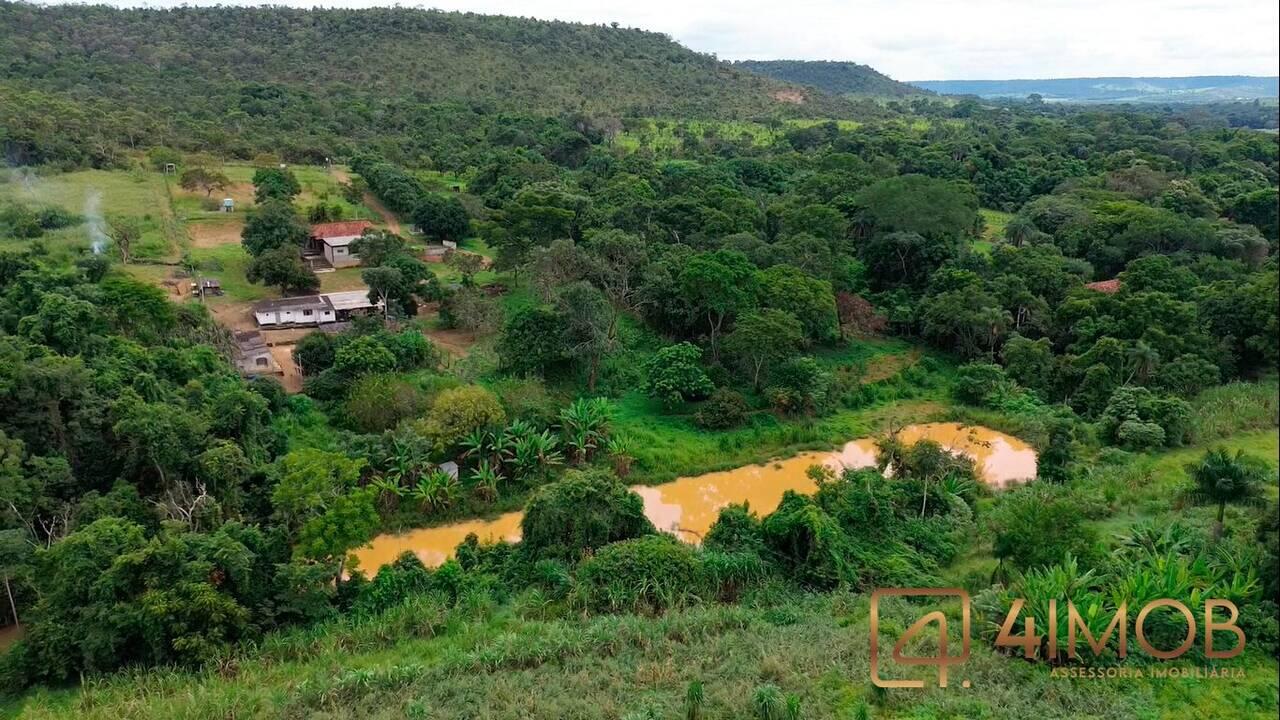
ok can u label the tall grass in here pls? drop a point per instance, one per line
(1228, 409)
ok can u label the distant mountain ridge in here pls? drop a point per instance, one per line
(1193, 89)
(185, 57)
(836, 77)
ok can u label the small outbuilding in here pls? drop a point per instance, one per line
(204, 287)
(253, 355)
(333, 240)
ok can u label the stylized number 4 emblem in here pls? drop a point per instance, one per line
(942, 660)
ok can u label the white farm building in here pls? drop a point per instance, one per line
(314, 309)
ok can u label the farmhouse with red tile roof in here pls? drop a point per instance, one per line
(334, 240)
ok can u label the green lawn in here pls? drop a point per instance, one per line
(227, 263)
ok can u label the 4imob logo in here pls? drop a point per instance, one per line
(1031, 643)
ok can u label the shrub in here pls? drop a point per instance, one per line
(393, 583)
(458, 411)
(800, 386)
(813, 548)
(736, 530)
(976, 382)
(584, 511)
(724, 409)
(379, 402)
(675, 374)
(328, 385)
(1038, 525)
(527, 399)
(1137, 435)
(412, 350)
(363, 355)
(1131, 410)
(647, 574)
(533, 342)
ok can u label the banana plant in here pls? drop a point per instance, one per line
(485, 480)
(437, 490)
(622, 453)
(533, 455)
(479, 445)
(389, 492)
(585, 423)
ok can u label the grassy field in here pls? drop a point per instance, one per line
(99, 194)
(994, 222)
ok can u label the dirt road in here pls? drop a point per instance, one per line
(388, 218)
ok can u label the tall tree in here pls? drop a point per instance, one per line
(762, 338)
(284, 268)
(718, 285)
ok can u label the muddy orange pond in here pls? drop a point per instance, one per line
(688, 506)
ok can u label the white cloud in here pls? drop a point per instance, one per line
(938, 39)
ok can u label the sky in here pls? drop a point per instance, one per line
(933, 39)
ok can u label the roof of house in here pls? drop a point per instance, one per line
(350, 300)
(250, 340)
(293, 303)
(1109, 287)
(209, 283)
(350, 228)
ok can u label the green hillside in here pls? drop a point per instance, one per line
(241, 80)
(841, 78)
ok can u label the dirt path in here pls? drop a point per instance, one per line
(388, 218)
(455, 342)
(290, 378)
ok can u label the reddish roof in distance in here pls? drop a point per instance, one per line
(1109, 287)
(340, 229)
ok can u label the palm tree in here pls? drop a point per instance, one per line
(1222, 478)
(1142, 361)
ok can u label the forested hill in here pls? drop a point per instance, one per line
(841, 78)
(300, 78)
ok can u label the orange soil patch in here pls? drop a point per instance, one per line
(233, 315)
(214, 234)
(793, 97)
(291, 377)
(287, 336)
(886, 366)
(455, 342)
